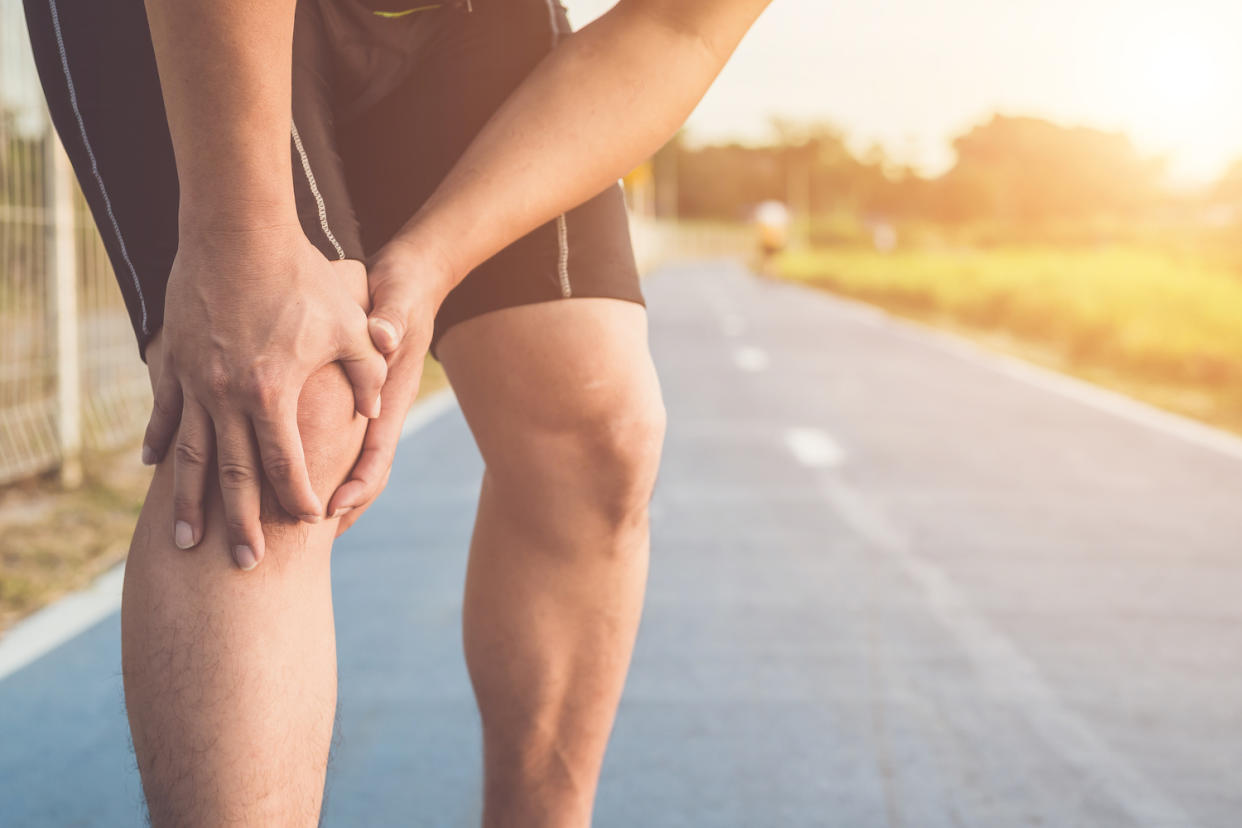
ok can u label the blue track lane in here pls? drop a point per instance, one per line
(893, 583)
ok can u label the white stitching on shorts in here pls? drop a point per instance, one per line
(556, 29)
(562, 229)
(90, 154)
(562, 258)
(314, 188)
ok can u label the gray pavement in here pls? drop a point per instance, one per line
(894, 582)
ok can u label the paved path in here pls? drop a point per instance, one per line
(894, 583)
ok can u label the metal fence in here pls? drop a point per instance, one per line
(70, 378)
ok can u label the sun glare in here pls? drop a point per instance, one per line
(1180, 76)
(1183, 90)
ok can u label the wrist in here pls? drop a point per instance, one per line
(246, 224)
(424, 263)
(234, 201)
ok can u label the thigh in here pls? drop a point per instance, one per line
(550, 387)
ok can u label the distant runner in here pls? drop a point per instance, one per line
(772, 226)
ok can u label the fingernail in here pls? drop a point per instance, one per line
(183, 535)
(375, 409)
(245, 558)
(148, 455)
(385, 326)
(310, 518)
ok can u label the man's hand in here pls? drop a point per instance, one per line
(249, 316)
(407, 287)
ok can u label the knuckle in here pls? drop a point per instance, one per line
(238, 529)
(185, 504)
(161, 410)
(279, 467)
(219, 380)
(188, 454)
(236, 475)
(263, 386)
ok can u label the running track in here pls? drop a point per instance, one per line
(895, 582)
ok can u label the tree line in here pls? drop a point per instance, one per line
(1010, 171)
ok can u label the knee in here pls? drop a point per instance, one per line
(602, 462)
(331, 432)
(620, 454)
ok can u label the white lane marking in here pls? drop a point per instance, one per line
(427, 409)
(52, 626)
(1047, 379)
(814, 447)
(732, 324)
(1005, 673)
(749, 358)
(64, 619)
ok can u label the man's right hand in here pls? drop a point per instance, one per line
(249, 316)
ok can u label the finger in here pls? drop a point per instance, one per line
(351, 517)
(380, 442)
(239, 487)
(366, 368)
(385, 332)
(191, 458)
(284, 462)
(165, 415)
(392, 300)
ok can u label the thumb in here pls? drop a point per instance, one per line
(390, 310)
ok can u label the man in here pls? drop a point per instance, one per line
(239, 191)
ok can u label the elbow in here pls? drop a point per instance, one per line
(711, 27)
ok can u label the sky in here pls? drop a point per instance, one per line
(912, 74)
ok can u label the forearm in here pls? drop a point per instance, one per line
(603, 101)
(225, 69)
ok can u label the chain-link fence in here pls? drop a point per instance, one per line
(70, 377)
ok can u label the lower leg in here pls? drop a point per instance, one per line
(230, 676)
(552, 607)
(564, 403)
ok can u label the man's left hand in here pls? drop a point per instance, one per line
(406, 290)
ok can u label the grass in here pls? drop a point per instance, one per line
(1155, 325)
(54, 541)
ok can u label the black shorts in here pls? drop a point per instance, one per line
(383, 105)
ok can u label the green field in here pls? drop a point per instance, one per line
(1154, 325)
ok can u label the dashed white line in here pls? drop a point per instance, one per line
(814, 447)
(57, 623)
(751, 359)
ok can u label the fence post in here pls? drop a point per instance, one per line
(63, 300)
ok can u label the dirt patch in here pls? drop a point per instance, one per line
(53, 541)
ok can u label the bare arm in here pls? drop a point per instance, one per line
(605, 99)
(252, 308)
(225, 68)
